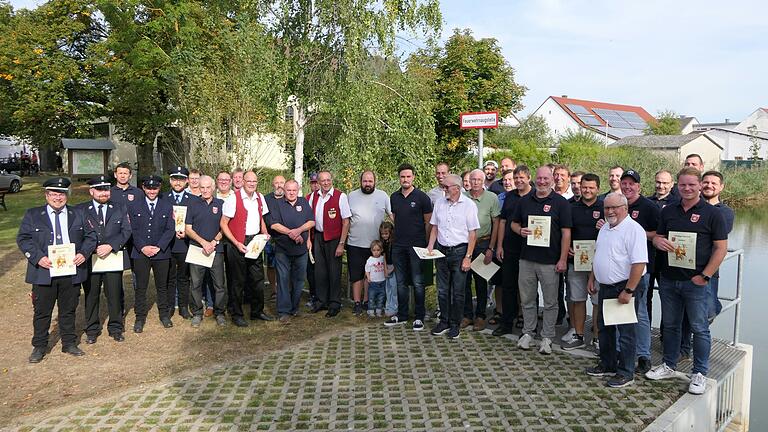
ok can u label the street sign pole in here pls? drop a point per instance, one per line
(479, 121)
(480, 148)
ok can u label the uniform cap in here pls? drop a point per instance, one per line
(59, 184)
(152, 182)
(178, 171)
(100, 182)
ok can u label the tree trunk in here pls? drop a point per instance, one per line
(299, 124)
(145, 157)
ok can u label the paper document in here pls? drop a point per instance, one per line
(195, 255)
(486, 271)
(424, 254)
(179, 216)
(684, 255)
(540, 227)
(615, 313)
(110, 263)
(62, 259)
(255, 246)
(583, 254)
(311, 257)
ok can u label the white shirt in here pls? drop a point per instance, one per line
(454, 220)
(375, 269)
(617, 248)
(435, 193)
(63, 223)
(368, 210)
(568, 194)
(96, 205)
(251, 204)
(151, 205)
(322, 199)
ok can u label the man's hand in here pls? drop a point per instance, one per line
(561, 266)
(663, 244)
(625, 297)
(600, 223)
(488, 257)
(339, 250)
(79, 259)
(699, 280)
(147, 251)
(525, 232)
(591, 287)
(209, 247)
(500, 254)
(466, 264)
(241, 247)
(44, 262)
(180, 234)
(103, 250)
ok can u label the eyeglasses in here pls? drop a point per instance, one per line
(614, 208)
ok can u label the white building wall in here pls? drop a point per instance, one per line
(759, 118)
(559, 121)
(736, 146)
(703, 147)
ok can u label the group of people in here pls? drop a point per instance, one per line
(539, 230)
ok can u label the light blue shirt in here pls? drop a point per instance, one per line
(63, 222)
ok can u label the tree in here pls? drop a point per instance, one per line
(666, 123)
(754, 146)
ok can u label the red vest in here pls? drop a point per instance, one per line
(331, 215)
(237, 223)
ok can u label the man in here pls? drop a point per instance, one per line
(54, 224)
(508, 246)
(693, 160)
(292, 220)
(542, 264)
(203, 228)
(506, 164)
(490, 169)
(369, 206)
(110, 223)
(223, 185)
(437, 192)
(576, 184)
(712, 184)
(314, 186)
(243, 218)
(278, 182)
(194, 182)
(646, 213)
(454, 232)
(332, 214)
(619, 264)
(685, 289)
(663, 195)
(614, 180)
(411, 213)
(237, 178)
(123, 192)
(153, 232)
(487, 205)
(562, 177)
(178, 273)
(585, 213)
(223, 191)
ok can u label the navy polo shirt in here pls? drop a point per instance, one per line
(646, 213)
(409, 217)
(130, 194)
(513, 243)
(728, 215)
(205, 218)
(291, 216)
(663, 202)
(705, 220)
(497, 187)
(558, 209)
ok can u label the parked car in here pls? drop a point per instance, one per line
(11, 182)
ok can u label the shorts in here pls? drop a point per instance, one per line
(577, 286)
(356, 258)
(269, 254)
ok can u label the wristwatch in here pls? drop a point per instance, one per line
(468, 256)
(629, 291)
(705, 277)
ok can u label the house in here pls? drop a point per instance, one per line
(510, 121)
(739, 139)
(608, 122)
(687, 124)
(677, 147)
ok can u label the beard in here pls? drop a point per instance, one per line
(367, 189)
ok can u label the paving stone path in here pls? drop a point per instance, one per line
(376, 378)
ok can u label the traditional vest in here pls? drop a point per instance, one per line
(331, 215)
(237, 223)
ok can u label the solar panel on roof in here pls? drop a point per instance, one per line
(577, 109)
(634, 120)
(590, 120)
(613, 118)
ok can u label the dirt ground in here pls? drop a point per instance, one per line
(110, 367)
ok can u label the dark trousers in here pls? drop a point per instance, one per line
(239, 268)
(408, 274)
(451, 282)
(141, 267)
(178, 283)
(622, 362)
(311, 279)
(290, 281)
(561, 281)
(113, 291)
(327, 272)
(481, 288)
(199, 275)
(44, 297)
(510, 289)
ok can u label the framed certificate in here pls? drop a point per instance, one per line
(110, 263)
(540, 228)
(684, 255)
(179, 216)
(583, 254)
(62, 259)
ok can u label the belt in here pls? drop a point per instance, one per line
(488, 237)
(452, 248)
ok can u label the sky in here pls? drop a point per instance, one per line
(706, 59)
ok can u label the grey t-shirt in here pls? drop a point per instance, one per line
(368, 211)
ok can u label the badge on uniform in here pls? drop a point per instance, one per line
(413, 204)
(215, 210)
(332, 213)
(635, 214)
(130, 197)
(595, 215)
(298, 208)
(695, 218)
(547, 207)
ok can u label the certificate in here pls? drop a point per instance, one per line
(615, 313)
(110, 263)
(255, 246)
(684, 255)
(540, 227)
(583, 254)
(485, 271)
(62, 259)
(424, 254)
(179, 216)
(195, 255)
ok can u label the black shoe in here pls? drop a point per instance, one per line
(358, 309)
(73, 350)
(454, 332)
(440, 329)
(183, 313)
(91, 339)
(501, 331)
(167, 323)
(619, 381)
(118, 337)
(332, 312)
(37, 355)
(643, 365)
(599, 371)
(264, 317)
(319, 307)
(240, 322)
(138, 326)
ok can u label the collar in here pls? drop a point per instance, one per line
(97, 204)
(536, 197)
(702, 202)
(614, 228)
(150, 201)
(321, 195)
(244, 195)
(50, 210)
(462, 198)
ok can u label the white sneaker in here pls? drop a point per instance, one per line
(568, 336)
(418, 325)
(545, 347)
(524, 342)
(661, 372)
(393, 321)
(698, 384)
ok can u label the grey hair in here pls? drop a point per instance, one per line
(621, 196)
(476, 171)
(206, 178)
(453, 180)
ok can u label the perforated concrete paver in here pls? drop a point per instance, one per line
(376, 378)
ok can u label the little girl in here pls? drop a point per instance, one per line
(376, 275)
(385, 234)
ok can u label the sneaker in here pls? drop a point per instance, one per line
(466, 322)
(371, 313)
(568, 336)
(393, 321)
(454, 332)
(418, 325)
(545, 347)
(619, 381)
(208, 312)
(595, 345)
(661, 372)
(440, 329)
(576, 341)
(379, 313)
(196, 320)
(479, 324)
(358, 309)
(525, 342)
(501, 331)
(643, 365)
(698, 384)
(599, 371)
(221, 321)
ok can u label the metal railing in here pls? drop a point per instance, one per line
(735, 302)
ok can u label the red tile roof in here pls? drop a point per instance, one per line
(590, 105)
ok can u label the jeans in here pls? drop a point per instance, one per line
(408, 273)
(376, 295)
(450, 284)
(678, 297)
(713, 309)
(643, 326)
(610, 358)
(291, 270)
(531, 274)
(481, 288)
(391, 291)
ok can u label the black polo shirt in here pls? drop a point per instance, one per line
(728, 215)
(497, 187)
(646, 213)
(513, 243)
(271, 201)
(584, 218)
(291, 216)
(120, 196)
(705, 220)
(558, 209)
(205, 218)
(663, 202)
(409, 217)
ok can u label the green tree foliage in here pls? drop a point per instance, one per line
(667, 123)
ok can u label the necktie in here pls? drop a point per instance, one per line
(57, 228)
(178, 199)
(151, 209)
(101, 213)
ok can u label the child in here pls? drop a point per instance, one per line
(376, 275)
(385, 234)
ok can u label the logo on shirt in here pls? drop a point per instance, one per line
(332, 213)
(130, 197)
(215, 210)
(635, 214)
(298, 208)
(413, 204)
(547, 207)
(595, 215)
(695, 218)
